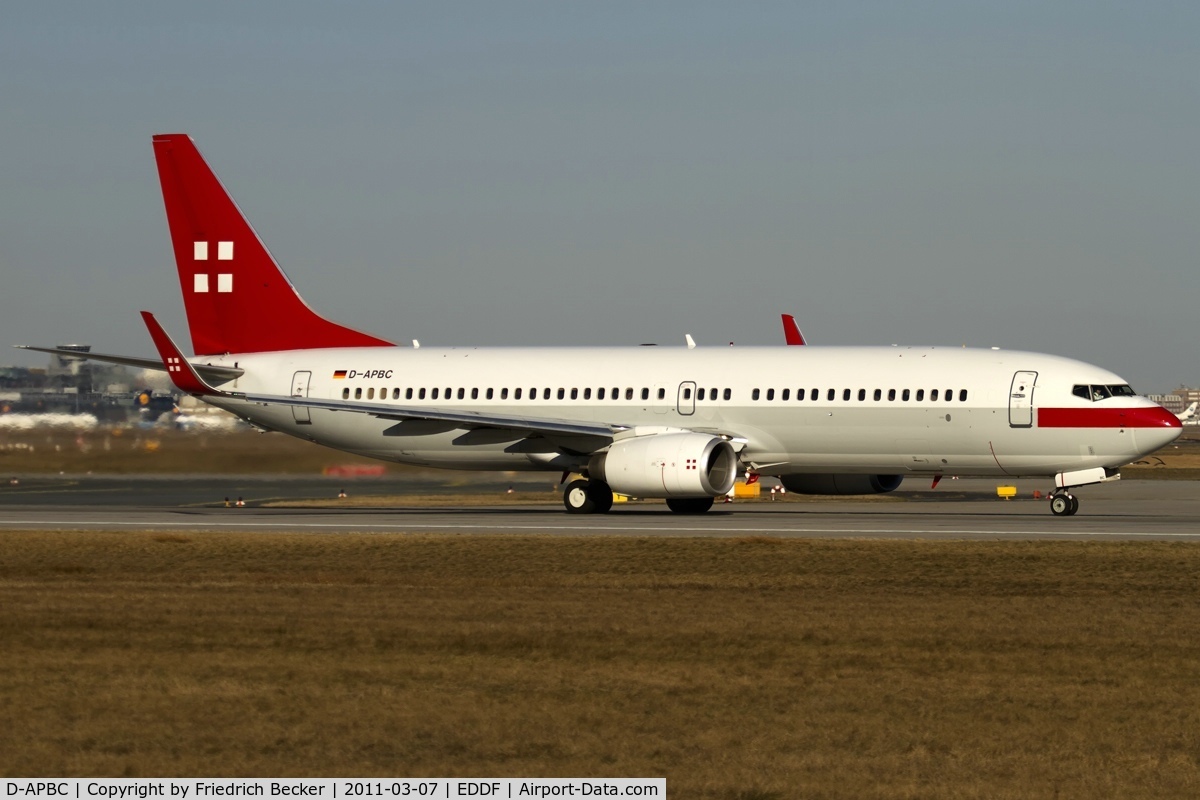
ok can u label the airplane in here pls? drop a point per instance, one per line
(1188, 414)
(652, 422)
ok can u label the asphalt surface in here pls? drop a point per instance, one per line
(1167, 510)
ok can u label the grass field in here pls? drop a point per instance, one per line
(743, 669)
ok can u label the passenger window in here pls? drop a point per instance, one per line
(504, 393)
(600, 393)
(754, 395)
(862, 395)
(358, 393)
(646, 394)
(920, 395)
(949, 395)
(435, 394)
(421, 393)
(891, 395)
(371, 393)
(662, 393)
(462, 393)
(786, 394)
(346, 393)
(878, 394)
(728, 394)
(562, 394)
(629, 394)
(616, 393)
(587, 393)
(962, 396)
(546, 393)
(574, 394)
(396, 394)
(489, 393)
(517, 393)
(831, 395)
(408, 393)
(904, 396)
(770, 394)
(687, 394)
(845, 394)
(933, 395)
(475, 393)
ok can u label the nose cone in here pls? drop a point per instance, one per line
(1155, 428)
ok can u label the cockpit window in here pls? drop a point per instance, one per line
(1097, 392)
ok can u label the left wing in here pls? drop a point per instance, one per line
(210, 371)
(187, 378)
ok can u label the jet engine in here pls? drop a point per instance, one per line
(840, 483)
(668, 465)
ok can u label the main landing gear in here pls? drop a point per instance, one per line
(588, 497)
(1063, 503)
(596, 497)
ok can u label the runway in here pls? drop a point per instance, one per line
(1134, 510)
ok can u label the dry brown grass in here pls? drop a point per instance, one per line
(738, 668)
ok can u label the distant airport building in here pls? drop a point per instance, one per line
(76, 386)
(1187, 396)
(1171, 402)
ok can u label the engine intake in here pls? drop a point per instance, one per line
(840, 483)
(668, 465)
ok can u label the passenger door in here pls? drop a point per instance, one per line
(300, 383)
(1020, 400)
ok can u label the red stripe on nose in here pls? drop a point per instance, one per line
(1142, 417)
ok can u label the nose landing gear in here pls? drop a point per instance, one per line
(1063, 503)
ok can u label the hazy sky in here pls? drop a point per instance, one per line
(1024, 175)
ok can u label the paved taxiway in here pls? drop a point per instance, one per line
(1168, 510)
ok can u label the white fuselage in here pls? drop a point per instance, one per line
(892, 410)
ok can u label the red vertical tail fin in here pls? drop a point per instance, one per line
(237, 298)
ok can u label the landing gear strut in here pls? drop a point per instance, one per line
(1063, 503)
(588, 497)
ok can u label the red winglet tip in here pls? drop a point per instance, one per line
(791, 331)
(178, 368)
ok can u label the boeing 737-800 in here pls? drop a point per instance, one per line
(653, 422)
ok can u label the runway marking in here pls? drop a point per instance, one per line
(366, 528)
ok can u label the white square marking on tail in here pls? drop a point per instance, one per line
(200, 251)
(224, 282)
(200, 283)
(224, 251)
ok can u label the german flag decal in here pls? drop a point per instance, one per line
(339, 374)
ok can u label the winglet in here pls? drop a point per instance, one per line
(791, 331)
(182, 374)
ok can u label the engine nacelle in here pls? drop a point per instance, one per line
(668, 465)
(840, 483)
